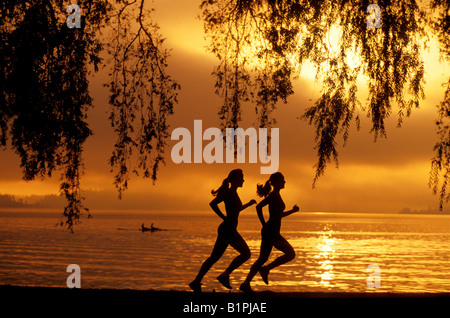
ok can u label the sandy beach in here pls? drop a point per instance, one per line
(81, 301)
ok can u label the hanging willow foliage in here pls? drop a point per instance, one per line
(261, 46)
(142, 93)
(44, 97)
(440, 163)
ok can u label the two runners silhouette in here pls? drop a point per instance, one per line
(228, 235)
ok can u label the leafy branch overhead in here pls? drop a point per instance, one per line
(44, 96)
(262, 45)
(44, 89)
(142, 93)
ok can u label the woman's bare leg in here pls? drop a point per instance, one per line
(282, 245)
(219, 248)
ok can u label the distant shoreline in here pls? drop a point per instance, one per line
(415, 212)
(58, 211)
(103, 301)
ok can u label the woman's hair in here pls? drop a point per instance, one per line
(264, 190)
(225, 183)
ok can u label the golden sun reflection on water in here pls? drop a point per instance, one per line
(325, 257)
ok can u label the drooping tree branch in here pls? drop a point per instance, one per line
(44, 96)
(281, 35)
(440, 163)
(142, 94)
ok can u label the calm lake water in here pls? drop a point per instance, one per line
(333, 251)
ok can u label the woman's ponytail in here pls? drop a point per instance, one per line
(222, 188)
(234, 175)
(263, 190)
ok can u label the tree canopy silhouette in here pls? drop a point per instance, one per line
(261, 46)
(44, 95)
(44, 90)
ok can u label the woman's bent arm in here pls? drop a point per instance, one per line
(259, 211)
(251, 202)
(294, 209)
(214, 205)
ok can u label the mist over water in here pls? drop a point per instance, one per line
(333, 251)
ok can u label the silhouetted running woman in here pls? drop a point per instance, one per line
(270, 233)
(227, 232)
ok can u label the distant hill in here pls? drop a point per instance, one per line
(428, 211)
(9, 201)
(105, 200)
(33, 201)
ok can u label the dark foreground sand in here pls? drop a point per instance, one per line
(151, 303)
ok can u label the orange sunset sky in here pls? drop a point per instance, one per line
(383, 176)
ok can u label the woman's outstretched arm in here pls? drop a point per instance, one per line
(251, 202)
